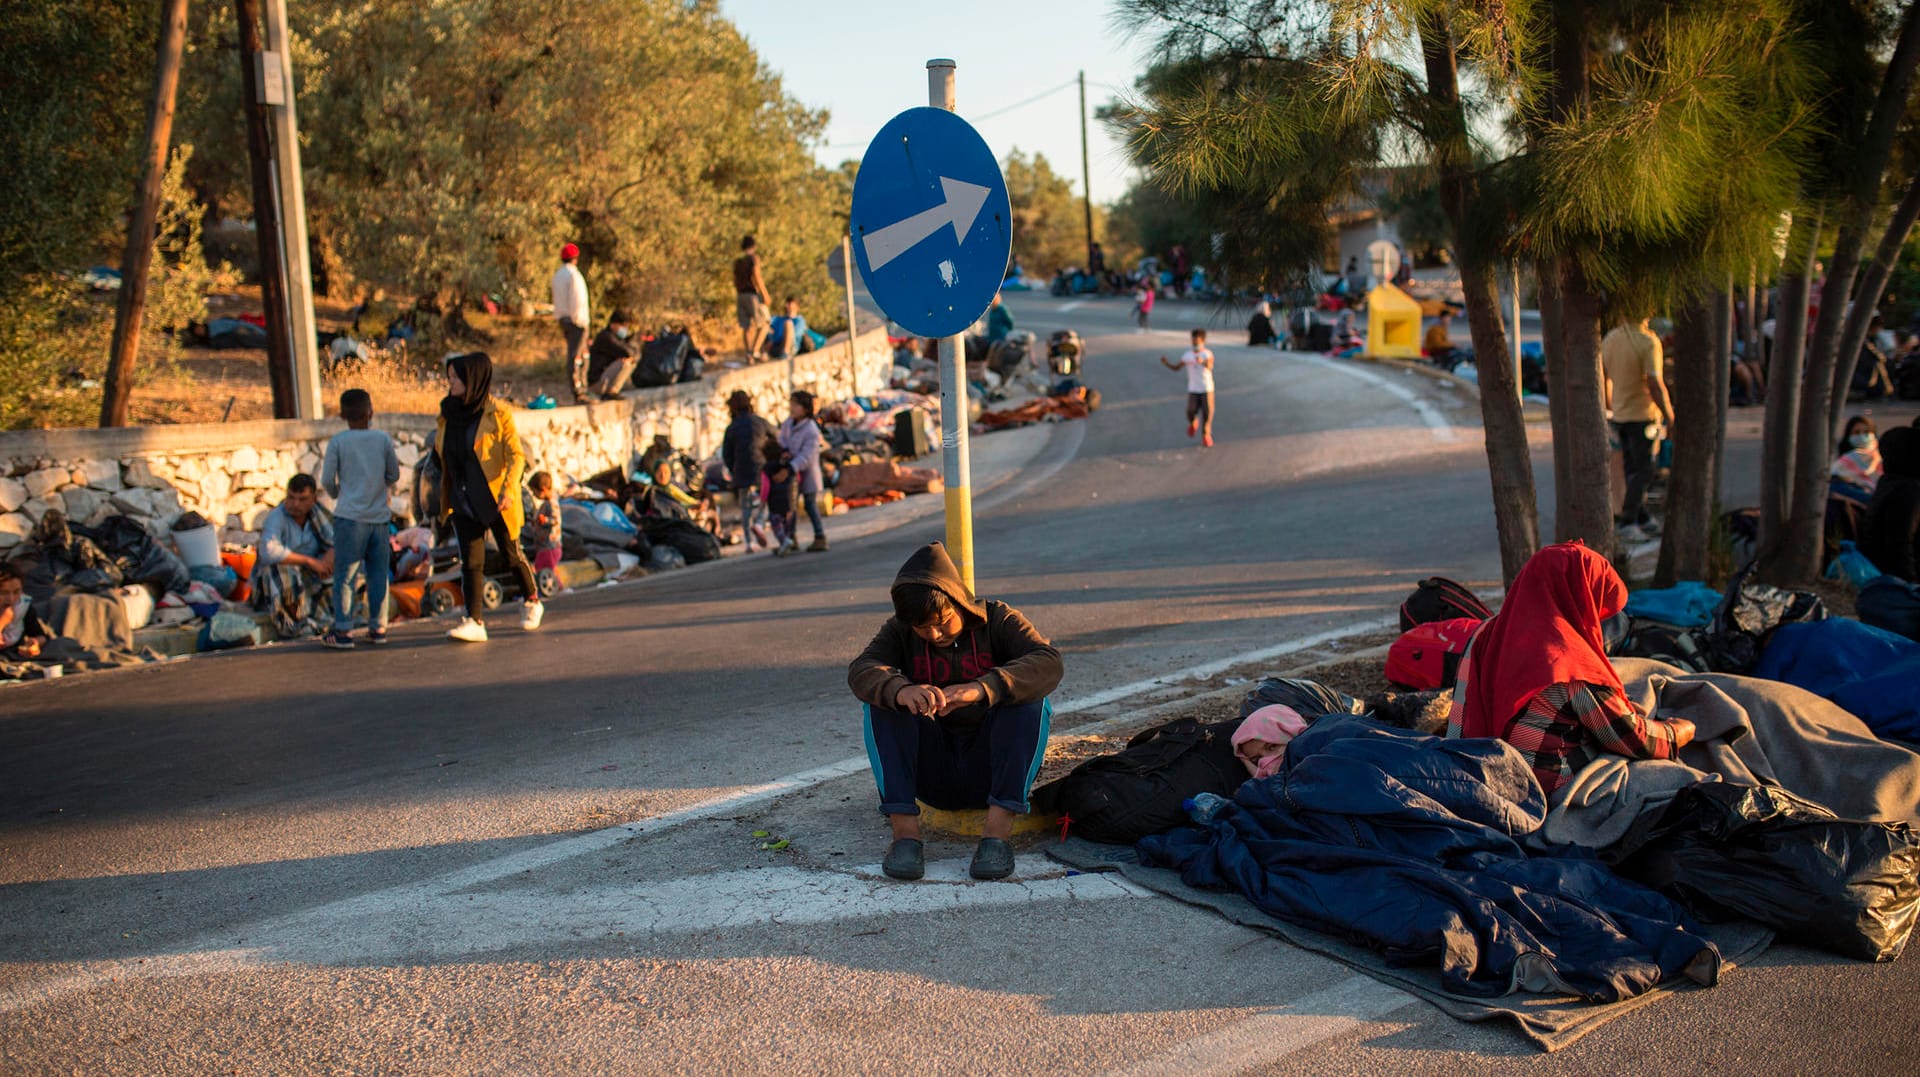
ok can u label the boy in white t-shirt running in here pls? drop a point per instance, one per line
(1197, 361)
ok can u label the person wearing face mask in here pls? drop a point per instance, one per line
(612, 356)
(956, 711)
(1856, 464)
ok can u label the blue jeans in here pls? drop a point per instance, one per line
(355, 543)
(917, 759)
(813, 515)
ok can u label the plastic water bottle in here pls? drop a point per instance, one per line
(1205, 807)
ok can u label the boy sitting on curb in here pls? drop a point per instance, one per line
(956, 692)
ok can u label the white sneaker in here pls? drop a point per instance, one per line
(531, 615)
(469, 631)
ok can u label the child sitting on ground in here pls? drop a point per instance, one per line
(542, 539)
(22, 636)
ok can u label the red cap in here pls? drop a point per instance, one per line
(569, 252)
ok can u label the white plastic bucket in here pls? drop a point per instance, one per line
(199, 547)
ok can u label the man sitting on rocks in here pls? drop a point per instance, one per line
(294, 568)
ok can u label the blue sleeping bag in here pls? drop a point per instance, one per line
(1411, 844)
(1689, 604)
(1867, 671)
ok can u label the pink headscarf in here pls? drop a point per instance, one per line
(1275, 724)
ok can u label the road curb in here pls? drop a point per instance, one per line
(1535, 413)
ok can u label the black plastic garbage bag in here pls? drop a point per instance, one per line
(694, 542)
(1733, 640)
(137, 554)
(662, 360)
(580, 533)
(1844, 885)
(1310, 698)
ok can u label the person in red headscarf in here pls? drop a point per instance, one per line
(1537, 675)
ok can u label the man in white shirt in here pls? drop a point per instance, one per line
(1197, 362)
(570, 310)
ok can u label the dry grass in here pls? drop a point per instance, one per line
(202, 385)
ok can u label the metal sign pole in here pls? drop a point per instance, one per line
(953, 392)
(853, 331)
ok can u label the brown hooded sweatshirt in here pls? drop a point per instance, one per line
(998, 648)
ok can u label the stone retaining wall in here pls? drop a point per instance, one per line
(233, 473)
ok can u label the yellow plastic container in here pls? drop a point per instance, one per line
(1393, 324)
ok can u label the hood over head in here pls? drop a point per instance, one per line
(931, 567)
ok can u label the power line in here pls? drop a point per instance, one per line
(1023, 104)
(1003, 110)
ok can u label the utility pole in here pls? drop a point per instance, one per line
(266, 210)
(295, 263)
(955, 455)
(1086, 171)
(134, 267)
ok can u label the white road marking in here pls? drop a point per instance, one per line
(1442, 430)
(457, 924)
(1274, 1034)
(1072, 305)
(216, 953)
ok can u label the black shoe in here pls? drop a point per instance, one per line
(992, 860)
(337, 641)
(906, 859)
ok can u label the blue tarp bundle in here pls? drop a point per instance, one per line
(1411, 845)
(1871, 672)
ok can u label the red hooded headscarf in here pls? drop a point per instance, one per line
(1547, 632)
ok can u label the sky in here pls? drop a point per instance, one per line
(864, 62)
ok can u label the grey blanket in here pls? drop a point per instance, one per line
(1599, 805)
(1760, 732)
(90, 632)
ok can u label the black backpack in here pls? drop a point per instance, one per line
(1141, 789)
(1437, 598)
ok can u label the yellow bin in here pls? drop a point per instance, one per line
(1393, 324)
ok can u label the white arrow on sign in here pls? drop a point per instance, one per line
(961, 207)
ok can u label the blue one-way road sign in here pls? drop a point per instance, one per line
(932, 227)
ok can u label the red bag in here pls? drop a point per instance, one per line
(1428, 656)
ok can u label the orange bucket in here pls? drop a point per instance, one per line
(241, 562)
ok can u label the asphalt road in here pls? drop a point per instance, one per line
(545, 854)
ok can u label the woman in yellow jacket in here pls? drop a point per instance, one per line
(481, 465)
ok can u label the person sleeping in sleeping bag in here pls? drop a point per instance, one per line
(957, 715)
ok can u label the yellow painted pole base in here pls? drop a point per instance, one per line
(960, 532)
(967, 824)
